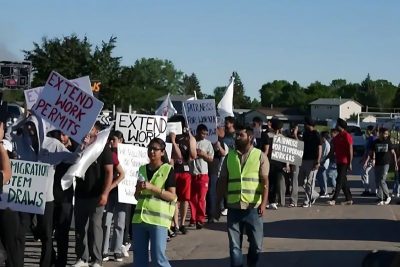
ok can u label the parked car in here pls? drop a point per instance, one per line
(358, 138)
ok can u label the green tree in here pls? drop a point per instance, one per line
(240, 100)
(190, 85)
(218, 93)
(271, 92)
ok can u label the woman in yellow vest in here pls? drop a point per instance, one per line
(155, 192)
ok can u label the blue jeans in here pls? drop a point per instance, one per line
(143, 233)
(322, 179)
(331, 174)
(249, 222)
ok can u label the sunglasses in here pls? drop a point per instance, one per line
(153, 149)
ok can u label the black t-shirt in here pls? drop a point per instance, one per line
(170, 182)
(312, 140)
(93, 184)
(183, 141)
(382, 150)
(60, 195)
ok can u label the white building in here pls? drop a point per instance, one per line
(333, 108)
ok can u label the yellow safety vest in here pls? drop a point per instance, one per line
(244, 184)
(150, 208)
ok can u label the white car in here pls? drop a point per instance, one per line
(358, 138)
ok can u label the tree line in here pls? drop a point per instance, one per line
(147, 79)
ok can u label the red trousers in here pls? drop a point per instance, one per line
(198, 198)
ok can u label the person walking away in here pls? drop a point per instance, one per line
(381, 151)
(294, 170)
(114, 210)
(343, 149)
(322, 177)
(200, 179)
(244, 179)
(368, 182)
(91, 195)
(155, 208)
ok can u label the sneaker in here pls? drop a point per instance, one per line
(192, 225)
(199, 225)
(95, 264)
(292, 205)
(331, 202)
(387, 201)
(348, 202)
(381, 203)
(174, 231)
(106, 257)
(273, 206)
(224, 212)
(313, 201)
(324, 196)
(366, 193)
(125, 249)
(118, 257)
(183, 229)
(80, 263)
(306, 205)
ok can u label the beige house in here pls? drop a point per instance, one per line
(332, 108)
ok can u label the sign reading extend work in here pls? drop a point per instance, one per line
(26, 190)
(67, 107)
(287, 150)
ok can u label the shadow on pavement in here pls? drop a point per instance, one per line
(313, 258)
(335, 229)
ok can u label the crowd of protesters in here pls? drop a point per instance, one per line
(233, 177)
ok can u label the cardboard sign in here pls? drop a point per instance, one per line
(287, 150)
(131, 158)
(26, 190)
(174, 127)
(202, 112)
(67, 107)
(140, 129)
(31, 95)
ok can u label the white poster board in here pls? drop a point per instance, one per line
(67, 107)
(174, 127)
(26, 190)
(140, 129)
(202, 112)
(131, 158)
(31, 95)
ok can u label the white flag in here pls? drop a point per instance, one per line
(225, 106)
(166, 108)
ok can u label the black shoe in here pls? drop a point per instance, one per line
(365, 194)
(171, 233)
(183, 230)
(118, 257)
(211, 220)
(199, 226)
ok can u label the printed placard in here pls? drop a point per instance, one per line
(131, 158)
(26, 191)
(67, 107)
(174, 127)
(202, 112)
(31, 95)
(140, 129)
(287, 150)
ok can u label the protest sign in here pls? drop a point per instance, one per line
(67, 107)
(31, 95)
(202, 112)
(140, 129)
(287, 150)
(26, 190)
(131, 158)
(174, 127)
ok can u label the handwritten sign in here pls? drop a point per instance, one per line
(131, 158)
(140, 129)
(67, 107)
(287, 150)
(31, 95)
(202, 112)
(26, 190)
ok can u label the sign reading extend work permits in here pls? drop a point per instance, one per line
(287, 150)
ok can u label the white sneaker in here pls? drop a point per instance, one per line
(125, 249)
(80, 263)
(224, 212)
(96, 264)
(381, 203)
(387, 202)
(273, 206)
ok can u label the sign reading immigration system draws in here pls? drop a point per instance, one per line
(287, 150)
(140, 129)
(131, 158)
(202, 112)
(26, 190)
(67, 107)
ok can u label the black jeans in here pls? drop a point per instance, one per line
(341, 182)
(12, 234)
(62, 222)
(45, 231)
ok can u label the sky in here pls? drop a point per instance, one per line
(263, 40)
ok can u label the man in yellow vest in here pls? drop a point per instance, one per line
(244, 180)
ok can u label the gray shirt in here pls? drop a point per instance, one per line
(200, 166)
